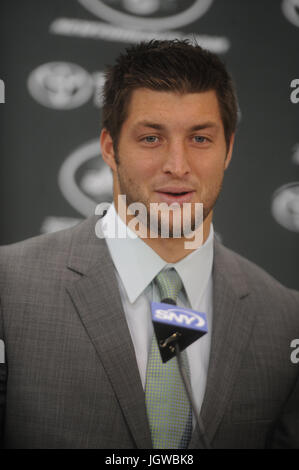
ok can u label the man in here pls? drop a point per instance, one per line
(81, 357)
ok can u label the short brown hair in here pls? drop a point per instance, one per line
(175, 65)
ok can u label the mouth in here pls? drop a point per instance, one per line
(175, 195)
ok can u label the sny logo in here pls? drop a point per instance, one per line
(179, 316)
(2, 92)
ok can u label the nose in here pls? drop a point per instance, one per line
(176, 159)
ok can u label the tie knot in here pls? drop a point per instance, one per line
(169, 284)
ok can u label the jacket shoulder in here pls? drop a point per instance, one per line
(48, 254)
(255, 278)
(36, 248)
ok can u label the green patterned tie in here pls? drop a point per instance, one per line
(168, 408)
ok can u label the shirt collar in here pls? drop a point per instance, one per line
(137, 264)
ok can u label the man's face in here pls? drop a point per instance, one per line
(170, 143)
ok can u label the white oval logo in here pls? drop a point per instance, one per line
(168, 14)
(84, 179)
(290, 9)
(60, 85)
(285, 206)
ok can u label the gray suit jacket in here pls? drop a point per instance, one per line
(71, 378)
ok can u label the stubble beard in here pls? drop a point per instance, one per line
(133, 194)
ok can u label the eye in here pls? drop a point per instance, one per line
(150, 139)
(200, 139)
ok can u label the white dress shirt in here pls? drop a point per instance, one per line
(136, 266)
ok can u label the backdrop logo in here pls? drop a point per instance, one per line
(285, 201)
(290, 9)
(84, 179)
(285, 206)
(2, 92)
(60, 85)
(132, 21)
(151, 15)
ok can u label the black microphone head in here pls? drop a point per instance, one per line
(168, 300)
(176, 324)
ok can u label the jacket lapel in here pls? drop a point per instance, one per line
(96, 298)
(232, 326)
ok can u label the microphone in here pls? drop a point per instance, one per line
(176, 325)
(175, 329)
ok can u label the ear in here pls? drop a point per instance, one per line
(107, 149)
(230, 152)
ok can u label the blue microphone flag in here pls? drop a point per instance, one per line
(172, 323)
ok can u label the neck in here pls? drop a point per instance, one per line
(173, 250)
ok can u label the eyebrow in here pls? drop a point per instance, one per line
(197, 127)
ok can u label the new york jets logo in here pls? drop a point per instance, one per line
(290, 9)
(149, 15)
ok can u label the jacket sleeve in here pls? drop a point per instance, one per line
(285, 434)
(3, 379)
